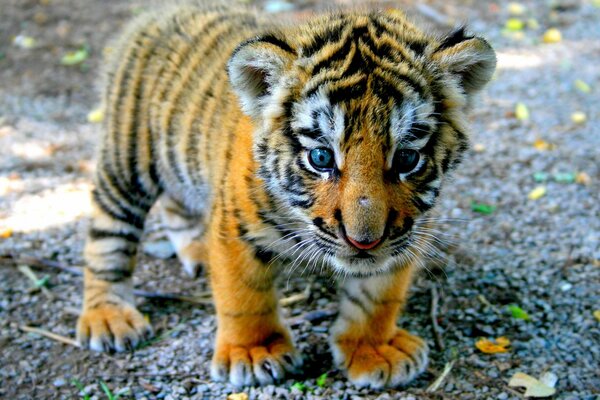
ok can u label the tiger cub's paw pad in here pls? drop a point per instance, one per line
(387, 365)
(263, 365)
(112, 327)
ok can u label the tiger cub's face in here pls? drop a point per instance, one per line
(358, 122)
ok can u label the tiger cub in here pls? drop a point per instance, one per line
(263, 145)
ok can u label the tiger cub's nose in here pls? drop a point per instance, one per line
(363, 245)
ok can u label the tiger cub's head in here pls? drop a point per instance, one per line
(359, 117)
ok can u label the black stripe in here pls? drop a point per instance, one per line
(129, 215)
(454, 38)
(332, 34)
(111, 275)
(355, 300)
(98, 234)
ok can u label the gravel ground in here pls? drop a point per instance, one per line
(542, 255)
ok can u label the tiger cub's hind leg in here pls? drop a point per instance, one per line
(109, 319)
(184, 229)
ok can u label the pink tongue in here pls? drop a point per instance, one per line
(363, 246)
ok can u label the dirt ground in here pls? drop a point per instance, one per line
(540, 254)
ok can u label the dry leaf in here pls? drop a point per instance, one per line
(552, 35)
(6, 233)
(533, 387)
(582, 86)
(95, 116)
(578, 117)
(521, 112)
(583, 178)
(478, 148)
(498, 346)
(542, 145)
(537, 193)
(516, 9)
(597, 315)
(237, 396)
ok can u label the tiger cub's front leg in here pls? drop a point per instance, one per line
(366, 341)
(252, 345)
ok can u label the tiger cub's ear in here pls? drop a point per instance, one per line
(471, 58)
(255, 68)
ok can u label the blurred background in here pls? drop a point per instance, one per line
(518, 253)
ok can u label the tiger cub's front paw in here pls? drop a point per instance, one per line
(390, 364)
(262, 363)
(111, 326)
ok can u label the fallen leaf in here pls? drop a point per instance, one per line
(237, 396)
(542, 145)
(95, 116)
(478, 148)
(6, 233)
(596, 3)
(549, 379)
(518, 313)
(321, 380)
(533, 387)
(24, 42)
(597, 315)
(489, 347)
(521, 112)
(582, 86)
(75, 57)
(578, 117)
(583, 178)
(299, 386)
(482, 208)
(540, 177)
(565, 177)
(552, 35)
(516, 9)
(514, 24)
(537, 193)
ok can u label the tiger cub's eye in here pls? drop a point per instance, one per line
(321, 159)
(406, 160)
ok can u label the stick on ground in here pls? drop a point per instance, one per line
(50, 335)
(439, 342)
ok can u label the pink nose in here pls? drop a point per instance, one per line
(363, 245)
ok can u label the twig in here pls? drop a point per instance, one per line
(295, 298)
(49, 335)
(171, 296)
(439, 342)
(37, 283)
(38, 263)
(440, 379)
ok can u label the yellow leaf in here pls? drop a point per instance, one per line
(521, 112)
(24, 42)
(542, 145)
(237, 396)
(537, 193)
(6, 233)
(533, 387)
(516, 9)
(552, 35)
(583, 178)
(597, 315)
(578, 117)
(489, 347)
(95, 116)
(514, 24)
(582, 86)
(478, 148)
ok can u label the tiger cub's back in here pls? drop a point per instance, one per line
(169, 109)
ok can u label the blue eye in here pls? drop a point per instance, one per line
(321, 159)
(406, 160)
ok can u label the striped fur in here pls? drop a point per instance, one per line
(213, 113)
